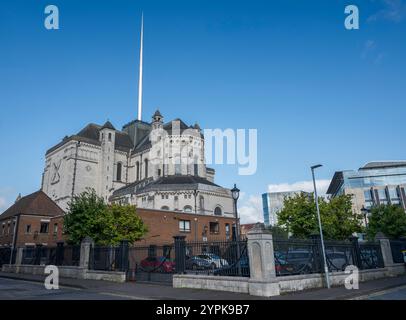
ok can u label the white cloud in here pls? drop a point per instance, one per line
(393, 10)
(322, 186)
(250, 210)
(3, 204)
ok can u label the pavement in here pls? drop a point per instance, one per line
(25, 286)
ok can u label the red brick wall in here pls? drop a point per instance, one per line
(162, 226)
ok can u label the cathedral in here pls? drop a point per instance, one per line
(154, 165)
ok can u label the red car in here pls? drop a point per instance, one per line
(157, 264)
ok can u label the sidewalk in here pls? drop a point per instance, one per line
(341, 293)
(138, 290)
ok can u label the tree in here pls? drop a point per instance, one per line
(84, 217)
(125, 224)
(89, 216)
(299, 217)
(388, 219)
(278, 232)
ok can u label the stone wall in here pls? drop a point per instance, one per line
(68, 272)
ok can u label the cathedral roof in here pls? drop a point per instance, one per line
(108, 125)
(173, 182)
(170, 127)
(91, 133)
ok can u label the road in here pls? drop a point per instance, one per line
(398, 293)
(23, 289)
(11, 289)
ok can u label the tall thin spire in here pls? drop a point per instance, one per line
(140, 78)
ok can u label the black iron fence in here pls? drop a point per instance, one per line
(7, 255)
(109, 258)
(397, 246)
(226, 258)
(298, 256)
(57, 255)
(155, 263)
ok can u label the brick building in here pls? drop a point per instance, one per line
(37, 219)
(31, 220)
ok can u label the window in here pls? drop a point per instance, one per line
(4, 228)
(177, 168)
(164, 208)
(201, 204)
(44, 227)
(28, 228)
(369, 201)
(184, 225)
(228, 231)
(394, 195)
(159, 172)
(217, 211)
(382, 196)
(110, 136)
(187, 209)
(119, 167)
(137, 168)
(55, 228)
(146, 168)
(214, 228)
(195, 169)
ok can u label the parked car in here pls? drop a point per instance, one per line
(233, 269)
(213, 259)
(197, 263)
(298, 261)
(157, 264)
(337, 261)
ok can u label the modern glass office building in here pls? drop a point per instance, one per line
(373, 184)
(272, 202)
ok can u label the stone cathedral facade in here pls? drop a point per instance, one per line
(152, 165)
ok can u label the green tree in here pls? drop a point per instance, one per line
(388, 219)
(278, 232)
(299, 217)
(124, 224)
(88, 215)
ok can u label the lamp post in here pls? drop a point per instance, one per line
(320, 227)
(365, 212)
(235, 192)
(195, 229)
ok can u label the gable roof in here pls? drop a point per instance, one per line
(90, 134)
(37, 203)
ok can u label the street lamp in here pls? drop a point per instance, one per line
(365, 212)
(235, 192)
(320, 227)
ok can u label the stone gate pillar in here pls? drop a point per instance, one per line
(85, 249)
(263, 281)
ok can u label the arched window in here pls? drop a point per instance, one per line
(137, 170)
(195, 167)
(164, 208)
(119, 168)
(187, 209)
(217, 211)
(146, 168)
(201, 204)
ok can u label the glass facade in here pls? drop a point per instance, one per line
(383, 184)
(272, 203)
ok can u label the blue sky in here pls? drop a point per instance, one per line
(316, 92)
